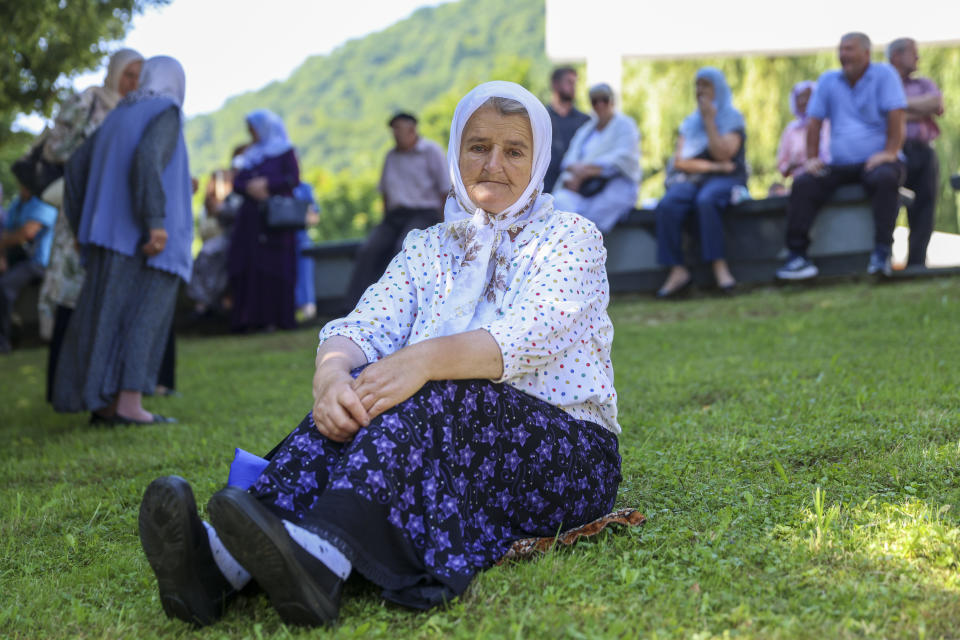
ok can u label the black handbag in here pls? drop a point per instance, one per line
(592, 186)
(34, 171)
(285, 213)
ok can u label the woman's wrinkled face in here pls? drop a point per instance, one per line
(496, 158)
(253, 133)
(130, 78)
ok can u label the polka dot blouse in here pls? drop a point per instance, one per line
(552, 326)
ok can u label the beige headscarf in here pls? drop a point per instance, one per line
(78, 119)
(109, 94)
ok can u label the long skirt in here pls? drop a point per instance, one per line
(167, 376)
(116, 337)
(438, 488)
(263, 273)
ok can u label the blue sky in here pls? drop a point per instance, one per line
(231, 46)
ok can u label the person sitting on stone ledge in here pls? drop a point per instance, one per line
(792, 150)
(25, 243)
(866, 106)
(924, 102)
(710, 161)
(601, 169)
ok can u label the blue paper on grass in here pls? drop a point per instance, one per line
(245, 469)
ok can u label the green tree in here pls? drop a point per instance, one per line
(45, 42)
(336, 106)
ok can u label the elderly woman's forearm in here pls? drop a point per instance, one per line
(342, 351)
(462, 356)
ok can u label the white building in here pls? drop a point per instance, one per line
(604, 32)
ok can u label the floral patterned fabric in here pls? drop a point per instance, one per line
(64, 277)
(76, 121)
(438, 488)
(529, 548)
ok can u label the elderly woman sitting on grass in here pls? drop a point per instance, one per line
(466, 402)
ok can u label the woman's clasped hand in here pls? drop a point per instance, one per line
(343, 404)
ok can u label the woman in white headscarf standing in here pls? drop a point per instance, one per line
(127, 197)
(465, 403)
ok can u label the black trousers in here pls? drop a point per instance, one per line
(810, 193)
(923, 178)
(384, 242)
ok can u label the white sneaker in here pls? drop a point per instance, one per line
(797, 268)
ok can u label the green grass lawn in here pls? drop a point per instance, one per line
(797, 452)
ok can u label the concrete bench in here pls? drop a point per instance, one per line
(754, 230)
(842, 238)
(754, 233)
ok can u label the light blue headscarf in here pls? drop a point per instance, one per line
(272, 139)
(694, 134)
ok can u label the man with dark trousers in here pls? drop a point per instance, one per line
(866, 106)
(414, 185)
(564, 117)
(924, 102)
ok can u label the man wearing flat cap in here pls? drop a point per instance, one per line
(414, 185)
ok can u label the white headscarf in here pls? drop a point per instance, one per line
(272, 139)
(160, 76)
(479, 285)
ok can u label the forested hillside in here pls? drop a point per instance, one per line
(336, 106)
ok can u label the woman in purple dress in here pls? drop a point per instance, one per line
(263, 262)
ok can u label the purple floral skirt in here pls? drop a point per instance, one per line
(438, 488)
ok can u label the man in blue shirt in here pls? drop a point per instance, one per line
(25, 243)
(866, 106)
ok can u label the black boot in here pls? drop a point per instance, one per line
(302, 589)
(192, 588)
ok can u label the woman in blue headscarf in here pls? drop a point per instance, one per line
(127, 194)
(708, 164)
(263, 262)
